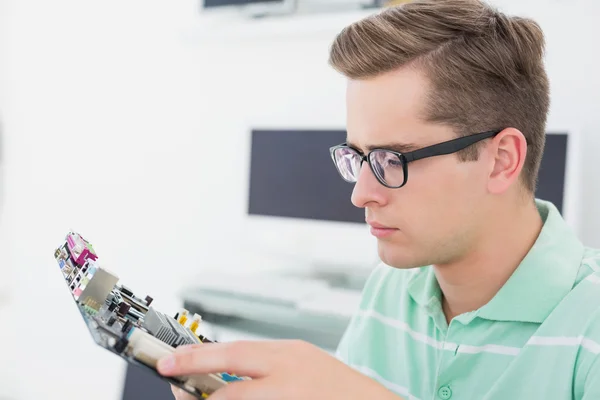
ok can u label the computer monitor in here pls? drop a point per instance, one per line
(559, 179)
(249, 8)
(299, 211)
(228, 3)
(1, 170)
(299, 207)
(292, 176)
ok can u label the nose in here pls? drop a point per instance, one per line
(367, 189)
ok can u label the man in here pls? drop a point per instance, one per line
(484, 291)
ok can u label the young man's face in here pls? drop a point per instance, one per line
(436, 215)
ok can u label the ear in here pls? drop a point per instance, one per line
(509, 152)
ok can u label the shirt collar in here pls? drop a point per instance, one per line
(544, 277)
(424, 288)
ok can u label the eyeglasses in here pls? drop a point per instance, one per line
(391, 167)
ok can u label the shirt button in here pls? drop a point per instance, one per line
(445, 392)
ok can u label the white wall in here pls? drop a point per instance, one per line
(7, 377)
(116, 115)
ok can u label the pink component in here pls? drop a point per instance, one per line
(77, 292)
(79, 249)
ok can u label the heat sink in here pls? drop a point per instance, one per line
(167, 329)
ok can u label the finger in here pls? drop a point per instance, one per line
(249, 358)
(244, 390)
(187, 347)
(181, 394)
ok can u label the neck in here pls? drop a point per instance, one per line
(473, 280)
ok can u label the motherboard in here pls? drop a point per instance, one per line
(126, 324)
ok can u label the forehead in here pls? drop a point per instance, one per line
(389, 109)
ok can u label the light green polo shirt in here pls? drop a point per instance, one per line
(538, 338)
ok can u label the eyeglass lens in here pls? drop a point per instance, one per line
(386, 165)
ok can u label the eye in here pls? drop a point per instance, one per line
(394, 162)
(391, 161)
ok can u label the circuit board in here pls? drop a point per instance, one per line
(126, 324)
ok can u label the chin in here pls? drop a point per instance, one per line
(396, 256)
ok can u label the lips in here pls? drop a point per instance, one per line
(375, 224)
(381, 231)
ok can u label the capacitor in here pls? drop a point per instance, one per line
(123, 309)
(126, 326)
(195, 322)
(121, 344)
(183, 317)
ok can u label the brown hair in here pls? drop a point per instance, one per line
(486, 68)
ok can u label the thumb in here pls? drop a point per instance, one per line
(181, 394)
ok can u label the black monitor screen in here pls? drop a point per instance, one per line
(552, 175)
(226, 3)
(292, 175)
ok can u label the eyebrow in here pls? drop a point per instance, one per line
(399, 147)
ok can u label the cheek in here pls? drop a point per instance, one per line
(436, 192)
(432, 180)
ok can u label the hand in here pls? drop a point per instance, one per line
(181, 394)
(280, 370)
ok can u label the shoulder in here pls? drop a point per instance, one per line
(586, 292)
(587, 365)
(580, 308)
(586, 285)
(583, 312)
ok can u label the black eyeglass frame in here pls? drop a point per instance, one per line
(439, 149)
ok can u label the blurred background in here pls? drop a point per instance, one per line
(187, 141)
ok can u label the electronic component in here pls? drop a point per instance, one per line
(125, 324)
(93, 284)
(123, 309)
(148, 350)
(195, 323)
(168, 330)
(79, 248)
(183, 316)
(126, 327)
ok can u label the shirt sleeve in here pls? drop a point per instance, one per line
(341, 352)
